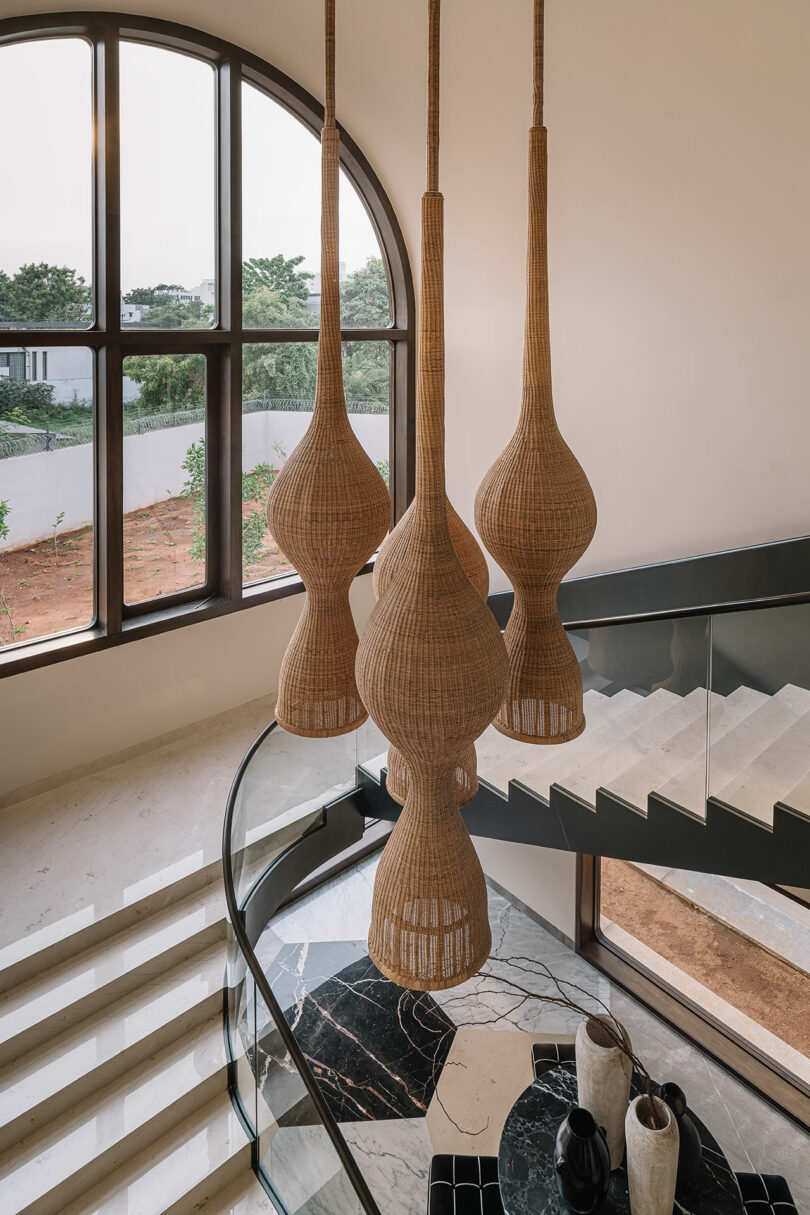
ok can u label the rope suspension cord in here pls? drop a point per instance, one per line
(330, 368)
(434, 27)
(537, 64)
(329, 64)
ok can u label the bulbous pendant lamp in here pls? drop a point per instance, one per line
(328, 508)
(432, 669)
(393, 552)
(535, 510)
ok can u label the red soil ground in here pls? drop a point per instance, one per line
(768, 990)
(48, 588)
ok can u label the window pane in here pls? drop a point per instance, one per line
(46, 216)
(281, 221)
(46, 492)
(168, 234)
(728, 944)
(278, 394)
(165, 475)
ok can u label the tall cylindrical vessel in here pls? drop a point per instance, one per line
(604, 1073)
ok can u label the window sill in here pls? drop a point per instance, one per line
(29, 657)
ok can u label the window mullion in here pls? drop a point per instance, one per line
(225, 399)
(109, 417)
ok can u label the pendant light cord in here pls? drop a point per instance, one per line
(539, 48)
(434, 14)
(329, 63)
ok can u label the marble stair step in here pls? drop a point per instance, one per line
(61, 1161)
(733, 752)
(773, 773)
(179, 1172)
(798, 798)
(684, 748)
(244, 1196)
(494, 748)
(555, 769)
(65, 995)
(515, 759)
(56, 1076)
(27, 958)
(634, 747)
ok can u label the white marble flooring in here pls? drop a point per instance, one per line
(395, 1153)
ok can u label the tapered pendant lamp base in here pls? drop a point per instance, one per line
(466, 776)
(429, 918)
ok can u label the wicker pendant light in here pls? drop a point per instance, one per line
(328, 508)
(393, 552)
(432, 668)
(535, 510)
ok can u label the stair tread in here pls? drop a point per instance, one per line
(494, 748)
(135, 951)
(244, 1196)
(731, 753)
(682, 749)
(109, 1119)
(555, 768)
(773, 773)
(69, 1057)
(181, 1165)
(798, 798)
(513, 759)
(652, 734)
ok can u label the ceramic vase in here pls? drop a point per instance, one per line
(603, 1080)
(582, 1162)
(652, 1158)
(690, 1151)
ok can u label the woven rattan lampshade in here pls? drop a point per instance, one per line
(535, 510)
(328, 508)
(393, 552)
(432, 668)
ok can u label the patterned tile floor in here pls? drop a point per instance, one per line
(407, 1075)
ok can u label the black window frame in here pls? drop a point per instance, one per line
(114, 621)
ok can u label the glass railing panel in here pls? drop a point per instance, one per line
(285, 784)
(240, 991)
(760, 745)
(295, 1151)
(645, 699)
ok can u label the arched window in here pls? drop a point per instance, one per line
(159, 299)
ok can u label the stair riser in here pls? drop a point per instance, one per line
(226, 1174)
(60, 1102)
(116, 1157)
(57, 954)
(31, 967)
(96, 1001)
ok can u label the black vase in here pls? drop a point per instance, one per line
(690, 1149)
(582, 1162)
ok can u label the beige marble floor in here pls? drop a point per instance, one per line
(100, 840)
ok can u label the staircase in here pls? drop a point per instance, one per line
(633, 784)
(112, 1060)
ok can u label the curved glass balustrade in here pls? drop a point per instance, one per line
(689, 708)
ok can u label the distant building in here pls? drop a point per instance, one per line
(68, 370)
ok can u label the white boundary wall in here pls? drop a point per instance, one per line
(39, 487)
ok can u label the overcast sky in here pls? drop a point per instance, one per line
(167, 169)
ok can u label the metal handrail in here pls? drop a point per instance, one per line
(710, 609)
(236, 917)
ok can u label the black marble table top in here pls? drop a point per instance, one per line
(526, 1158)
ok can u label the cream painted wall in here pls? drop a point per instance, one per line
(680, 287)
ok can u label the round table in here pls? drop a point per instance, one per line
(526, 1158)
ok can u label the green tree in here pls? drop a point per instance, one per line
(284, 369)
(169, 382)
(364, 297)
(150, 295)
(167, 313)
(28, 402)
(279, 274)
(40, 292)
